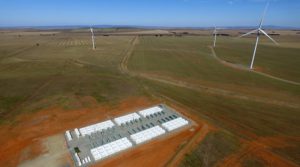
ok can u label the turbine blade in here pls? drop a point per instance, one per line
(268, 36)
(264, 14)
(248, 33)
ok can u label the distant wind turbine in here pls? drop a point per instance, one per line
(93, 38)
(259, 31)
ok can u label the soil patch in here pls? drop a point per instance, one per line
(29, 128)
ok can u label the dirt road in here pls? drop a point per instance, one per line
(197, 138)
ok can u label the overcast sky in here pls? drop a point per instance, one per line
(184, 13)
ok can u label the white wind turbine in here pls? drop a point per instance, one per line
(93, 38)
(259, 31)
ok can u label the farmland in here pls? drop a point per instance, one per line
(192, 63)
(252, 119)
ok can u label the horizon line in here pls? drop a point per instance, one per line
(138, 26)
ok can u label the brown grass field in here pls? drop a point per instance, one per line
(52, 81)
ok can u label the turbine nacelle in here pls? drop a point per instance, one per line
(258, 32)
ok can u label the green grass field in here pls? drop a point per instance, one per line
(189, 59)
(38, 72)
(215, 147)
(37, 77)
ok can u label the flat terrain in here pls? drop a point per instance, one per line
(56, 153)
(52, 81)
(246, 103)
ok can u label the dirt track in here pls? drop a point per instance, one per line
(200, 132)
(197, 138)
(127, 53)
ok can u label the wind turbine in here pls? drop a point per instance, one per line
(259, 31)
(93, 38)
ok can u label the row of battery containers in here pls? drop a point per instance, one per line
(140, 137)
(126, 118)
(156, 131)
(90, 129)
(147, 134)
(133, 116)
(111, 148)
(170, 125)
(175, 123)
(153, 132)
(83, 161)
(150, 111)
(94, 128)
(109, 124)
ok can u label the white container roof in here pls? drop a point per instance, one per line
(77, 159)
(68, 134)
(175, 124)
(147, 134)
(96, 127)
(77, 132)
(126, 118)
(150, 111)
(111, 148)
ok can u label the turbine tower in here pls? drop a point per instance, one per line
(215, 33)
(259, 31)
(93, 38)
